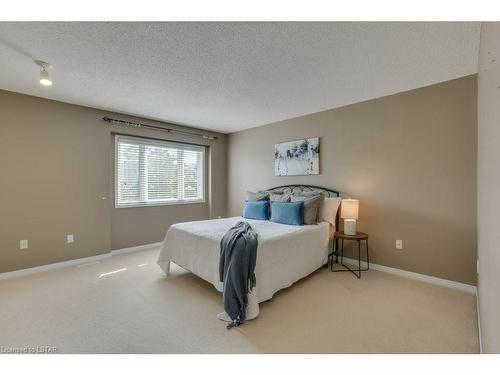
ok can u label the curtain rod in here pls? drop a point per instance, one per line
(168, 130)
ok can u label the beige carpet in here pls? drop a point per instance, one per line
(137, 310)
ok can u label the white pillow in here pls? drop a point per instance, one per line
(329, 209)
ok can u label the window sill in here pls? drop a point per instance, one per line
(176, 203)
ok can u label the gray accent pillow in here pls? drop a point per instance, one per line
(258, 196)
(311, 207)
(315, 193)
(279, 197)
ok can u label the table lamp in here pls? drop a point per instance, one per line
(350, 209)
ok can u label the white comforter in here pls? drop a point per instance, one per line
(286, 253)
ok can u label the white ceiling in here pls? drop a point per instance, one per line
(232, 76)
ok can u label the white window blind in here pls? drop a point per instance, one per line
(150, 172)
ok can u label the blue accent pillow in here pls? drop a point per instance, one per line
(288, 213)
(258, 210)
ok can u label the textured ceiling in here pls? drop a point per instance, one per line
(232, 76)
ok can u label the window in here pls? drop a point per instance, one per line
(150, 172)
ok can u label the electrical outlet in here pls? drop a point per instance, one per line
(23, 244)
(399, 244)
(70, 238)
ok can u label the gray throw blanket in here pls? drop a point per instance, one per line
(238, 255)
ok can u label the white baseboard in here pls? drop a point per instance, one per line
(53, 266)
(76, 262)
(479, 323)
(416, 276)
(136, 248)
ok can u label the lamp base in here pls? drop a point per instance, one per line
(350, 227)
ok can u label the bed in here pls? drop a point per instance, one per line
(286, 253)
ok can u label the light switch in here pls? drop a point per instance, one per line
(399, 244)
(23, 244)
(70, 238)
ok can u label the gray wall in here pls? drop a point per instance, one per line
(489, 186)
(57, 166)
(411, 160)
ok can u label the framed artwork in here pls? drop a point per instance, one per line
(297, 158)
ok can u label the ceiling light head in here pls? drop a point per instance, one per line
(44, 74)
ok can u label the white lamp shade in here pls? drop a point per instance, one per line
(350, 209)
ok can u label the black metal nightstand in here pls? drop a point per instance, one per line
(359, 236)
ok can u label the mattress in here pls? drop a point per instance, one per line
(285, 254)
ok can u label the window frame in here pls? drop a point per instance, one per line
(160, 142)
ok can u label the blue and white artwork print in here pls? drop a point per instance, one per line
(297, 157)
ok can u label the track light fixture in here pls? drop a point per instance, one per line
(44, 74)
